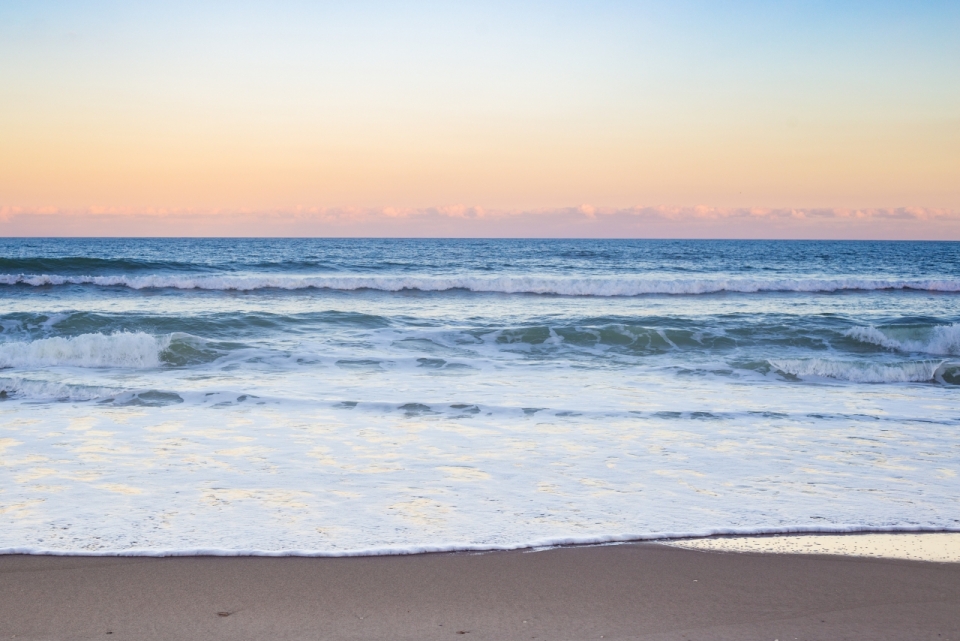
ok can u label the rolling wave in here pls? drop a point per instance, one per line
(39, 390)
(610, 286)
(92, 265)
(80, 265)
(859, 372)
(129, 350)
(940, 339)
(34, 390)
(231, 326)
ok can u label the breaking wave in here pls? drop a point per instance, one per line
(135, 350)
(941, 339)
(618, 286)
(855, 372)
(20, 388)
(34, 390)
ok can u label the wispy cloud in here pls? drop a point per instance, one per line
(460, 220)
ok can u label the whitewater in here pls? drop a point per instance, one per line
(343, 397)
(506, 285)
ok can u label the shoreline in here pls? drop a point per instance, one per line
(936, 547)
(626, 591)
(788, 541)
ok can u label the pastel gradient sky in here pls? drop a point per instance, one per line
(607, 118)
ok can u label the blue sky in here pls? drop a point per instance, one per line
(519, 105)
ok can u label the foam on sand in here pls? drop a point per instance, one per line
(564, 286)
(943, 547)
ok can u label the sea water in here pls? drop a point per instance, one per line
(362, 396)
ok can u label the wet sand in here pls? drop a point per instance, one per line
(928, 546)
(634, 591)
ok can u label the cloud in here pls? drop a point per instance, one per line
(588, 210)
(461, 220)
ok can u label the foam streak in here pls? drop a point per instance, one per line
(619, 286)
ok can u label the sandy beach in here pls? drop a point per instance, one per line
(630, 591)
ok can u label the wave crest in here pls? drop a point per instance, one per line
(854, 372)
(618, 286)
(135, 350)
(941, 339)
(50, 390)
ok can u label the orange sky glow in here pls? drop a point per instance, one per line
(630, 120)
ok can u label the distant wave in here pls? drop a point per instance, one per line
(941, 339)
(855, 372)
(79, 265)
(86, 265)
(609, 286)
(124, 349)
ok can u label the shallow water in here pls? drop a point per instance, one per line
(336, 396)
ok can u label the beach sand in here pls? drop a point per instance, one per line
(943, 547)
(629, 591)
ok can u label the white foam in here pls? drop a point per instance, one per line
(313, 478)
(692, 539)
(859, 372)
(124, 349)
(941, 339)
(615, 286)
(36, 390)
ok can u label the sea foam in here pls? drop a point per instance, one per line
(124, 349)
(858, 372)
(323, 422)
(941, 339)
(40, 390)
(532, 544)
(608, 286)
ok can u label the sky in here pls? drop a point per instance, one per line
(604, 118)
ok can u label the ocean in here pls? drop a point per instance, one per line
(336, 397)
